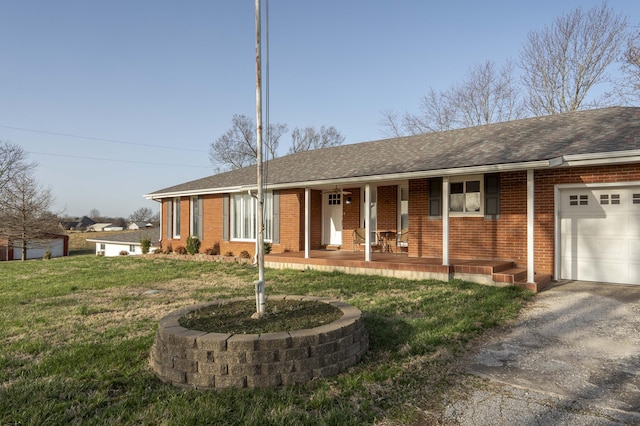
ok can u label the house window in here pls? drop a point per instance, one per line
(132, 248)
(243, 217)
(465, 195)
(175, 219)
(195, 222)
(334, 199)
(636, 199)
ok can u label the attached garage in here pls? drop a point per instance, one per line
(599, 233)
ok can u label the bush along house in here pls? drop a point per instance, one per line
(520, 202)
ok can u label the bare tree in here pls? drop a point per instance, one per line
(94, 214)
(143, 214)
(309, 138)
(24, 211)
(628, 87)
(13, 162)
(563, 62)
(486, 95)
(237, 148)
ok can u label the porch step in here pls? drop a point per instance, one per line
(541, 282)
(510, 276)
(332, 247)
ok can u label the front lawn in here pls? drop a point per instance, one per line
(75, 335)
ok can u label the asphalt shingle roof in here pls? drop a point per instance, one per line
(540, 138)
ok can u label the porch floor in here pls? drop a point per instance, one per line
(400, 265)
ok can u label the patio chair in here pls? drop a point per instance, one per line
(402, 240)
(359, 239)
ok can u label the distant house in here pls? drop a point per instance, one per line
(130, 242)
(99, 227)
(139, 225)
(57, 245)
(78, 225)
(112, 227)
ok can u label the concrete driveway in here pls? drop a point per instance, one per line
(572, 358)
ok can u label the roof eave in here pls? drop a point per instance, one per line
(601, 158)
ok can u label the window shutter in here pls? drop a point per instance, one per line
(169, 218)
(225, 217)
(492, 196)
(200, 218)
(435, 198)
(275, 238)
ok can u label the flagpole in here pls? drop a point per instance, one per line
(259, 284)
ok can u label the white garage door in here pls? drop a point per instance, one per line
(600, 234)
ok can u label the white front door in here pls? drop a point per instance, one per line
(332, 214)
(600, 234)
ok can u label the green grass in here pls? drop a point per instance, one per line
(75, 335)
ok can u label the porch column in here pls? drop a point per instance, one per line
(367, 222)
(530, 224)
(445, 221)
(307, 223)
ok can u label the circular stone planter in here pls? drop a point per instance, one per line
(196, 359)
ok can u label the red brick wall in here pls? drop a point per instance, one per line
(350, 218)
(387, 208)
(505, 238)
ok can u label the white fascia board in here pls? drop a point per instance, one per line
(198, 192)
(597, 159)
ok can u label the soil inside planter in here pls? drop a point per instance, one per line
(282, 315)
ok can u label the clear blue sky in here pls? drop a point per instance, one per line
(149, 84)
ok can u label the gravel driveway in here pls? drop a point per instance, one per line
(572, 358)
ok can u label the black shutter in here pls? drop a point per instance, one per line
(492, 196)
(225, 217)
(275, 232)
(435, 198)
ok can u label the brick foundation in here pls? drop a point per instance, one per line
(196, 359)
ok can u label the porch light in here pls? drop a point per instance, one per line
(348, 200)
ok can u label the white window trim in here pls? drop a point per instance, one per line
(254, 204)
(458, 179)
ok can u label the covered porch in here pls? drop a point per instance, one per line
(400, 265)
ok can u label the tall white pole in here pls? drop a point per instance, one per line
(259, 285)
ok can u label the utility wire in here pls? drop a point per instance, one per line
(102, 139)
(117, 160)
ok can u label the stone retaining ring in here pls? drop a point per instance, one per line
(196, 359)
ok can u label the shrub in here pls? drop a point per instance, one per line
(245, 254)
(123, 253)
(228, 253)
(267, 248)
(193, 245)
(180, 250)
(211, 251)
(168, 249)
(47, 255)
(146, 245)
